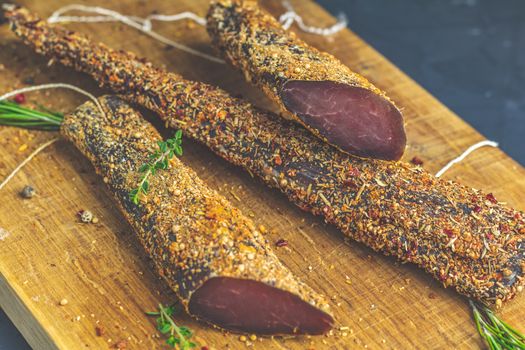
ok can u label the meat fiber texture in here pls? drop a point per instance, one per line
(461, 236)
(311, 87)
(208, 252)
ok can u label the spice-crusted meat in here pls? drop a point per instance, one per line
(461, 236)
(209, 253)
(312, 87)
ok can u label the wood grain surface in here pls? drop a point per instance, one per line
(103, 272)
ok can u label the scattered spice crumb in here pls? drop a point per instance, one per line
(417, 161)
(3, 234)
(94, 220)
(432, 295)
(63, 302)
(262, 229)
(27, 192)
(99, 331)
(122, 344)
(243, 338)
(281, 242)
(85, 216)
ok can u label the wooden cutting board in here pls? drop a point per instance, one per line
(102, 270)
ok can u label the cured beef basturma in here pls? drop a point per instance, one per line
(312, 87)
(209, 253)
(461, 236)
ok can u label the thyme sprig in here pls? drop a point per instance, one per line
(13, 114)
(159, 160)
(178, 336)
(498, 334)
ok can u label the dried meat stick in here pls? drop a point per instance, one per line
(210, 254)
(461, 236)
(310, 87)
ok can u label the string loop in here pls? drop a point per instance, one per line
(145, 25)
(53, 86)
(464, 155)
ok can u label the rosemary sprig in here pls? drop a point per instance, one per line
(178, 336)
(498, 334)
(13, 114)
(157, 161)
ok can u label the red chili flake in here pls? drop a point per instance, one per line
(517, 216)
(373, 213)
(417, 161)
(349, 183)
(490, 197)
(204, 348)
(490, 236)
(448, 232)
(477, 209)
(504, 228)
(20, 98)
(353, 172)
(277, 160)
(281, 242)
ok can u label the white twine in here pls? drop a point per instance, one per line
(145, 24)
(53, 86)
(142, 24)
(25, 161)
(468, 151)
(45, 145)
(290, 16)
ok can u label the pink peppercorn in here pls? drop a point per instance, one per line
(20, 98)
(490, 197)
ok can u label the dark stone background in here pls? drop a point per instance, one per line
(470, 54)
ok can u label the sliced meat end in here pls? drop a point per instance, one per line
(353, 118)
(248, 306)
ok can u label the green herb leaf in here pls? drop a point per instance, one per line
(12, 114)
(179, 336)
(165, 328)
(497, 333)
(159, 160)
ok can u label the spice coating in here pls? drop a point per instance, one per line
(272, 58)
(191, 232)
(461, 236)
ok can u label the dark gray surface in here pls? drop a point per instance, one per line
(469, 53)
